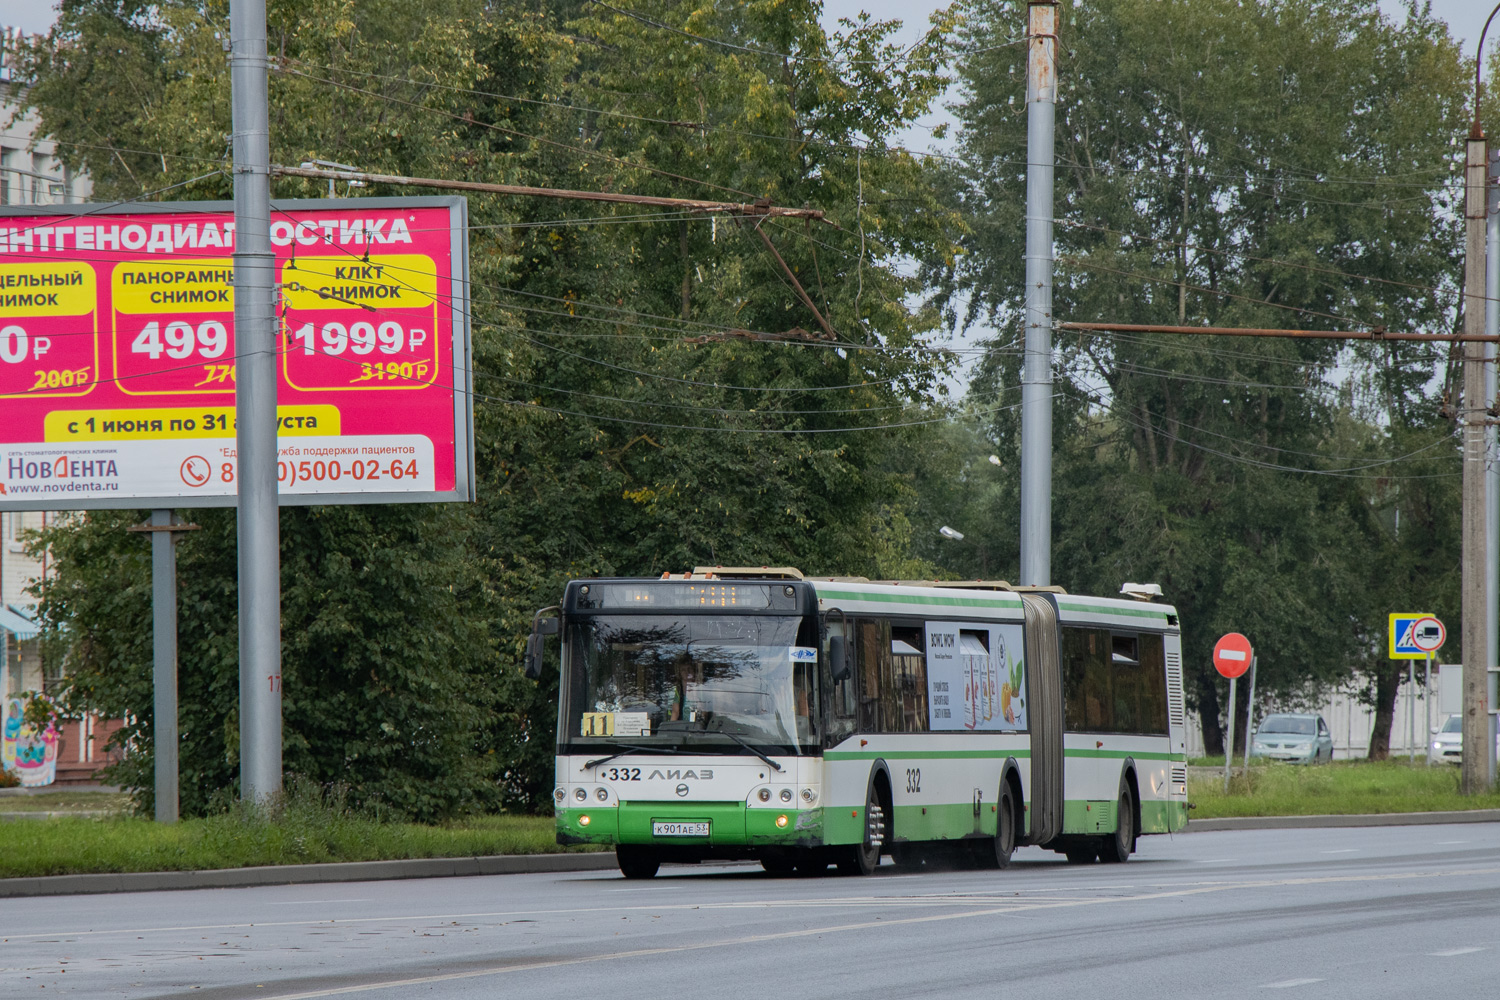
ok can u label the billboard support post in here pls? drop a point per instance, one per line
(259, 529)
(164, 665)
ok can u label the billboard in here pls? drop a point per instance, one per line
(118, 351)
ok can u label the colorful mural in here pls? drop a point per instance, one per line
(29, 738)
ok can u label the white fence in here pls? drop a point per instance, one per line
(1351, 721)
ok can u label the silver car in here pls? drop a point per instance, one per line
(1301, 739)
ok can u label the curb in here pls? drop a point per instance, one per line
(353, 871)
(1349, 820)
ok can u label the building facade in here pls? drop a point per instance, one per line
(31, 173)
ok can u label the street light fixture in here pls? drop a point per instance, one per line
(948, 532)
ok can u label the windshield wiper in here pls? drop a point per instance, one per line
(759, 753)
(628, 748)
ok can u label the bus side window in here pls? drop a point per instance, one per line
(909, 659)
(1153, 688)
(873, 667)
(1086, 679)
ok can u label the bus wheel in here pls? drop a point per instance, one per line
(1003, 846)
(1117, 848)
(636, 862)
(863, 859)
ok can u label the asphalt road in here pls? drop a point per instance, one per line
(1367, 913)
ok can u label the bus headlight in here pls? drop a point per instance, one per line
(786, 795)
(602, 794)
(809, 795)
(765, 794)
(559, 794)
(781, 821)
(580, 794)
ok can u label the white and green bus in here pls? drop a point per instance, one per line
(801, 722)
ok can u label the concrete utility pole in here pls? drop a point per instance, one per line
(1036, 367)
(255, 409)
(1492, 453)
(1475, 776)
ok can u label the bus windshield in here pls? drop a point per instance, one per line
(710, 683)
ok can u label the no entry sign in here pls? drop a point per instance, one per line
(1232, 655)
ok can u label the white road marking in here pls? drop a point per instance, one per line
(1015, 905)
(1216, 861)
(1441, 842)
(311, 902)
(1454, 951)
(740, 941)
(1342, 850)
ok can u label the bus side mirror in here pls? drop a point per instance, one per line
(533, 662)
(541, 627)
(838, 657)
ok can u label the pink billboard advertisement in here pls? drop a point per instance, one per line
(118, 353)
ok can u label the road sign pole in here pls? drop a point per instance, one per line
(1427, 711)
(255, 409)
(1411, 713)
(1229, 742)
(1250, 712)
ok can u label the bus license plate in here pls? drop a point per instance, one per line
(660, 829)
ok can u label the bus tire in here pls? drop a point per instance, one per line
(1117, 848)
(636, 861)
(863, 858)
(1004, 844)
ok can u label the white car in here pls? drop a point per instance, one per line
(1448, 741)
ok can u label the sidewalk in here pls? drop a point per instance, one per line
(1350, 820)
(355, 871)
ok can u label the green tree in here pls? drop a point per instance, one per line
(647, 394)
(1248, 165)
(386, 660)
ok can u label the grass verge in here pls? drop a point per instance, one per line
(1337, 788)
(302, 832)
(86, 802)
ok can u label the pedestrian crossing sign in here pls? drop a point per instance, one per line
(1403, 640)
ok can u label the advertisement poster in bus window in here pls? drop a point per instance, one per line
(976, 677)
(118, 353)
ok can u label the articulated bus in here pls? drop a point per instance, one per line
(757, 714)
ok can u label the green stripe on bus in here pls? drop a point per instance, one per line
(923, 754)
(899, 754)
(900, 598)
(1091, 609)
